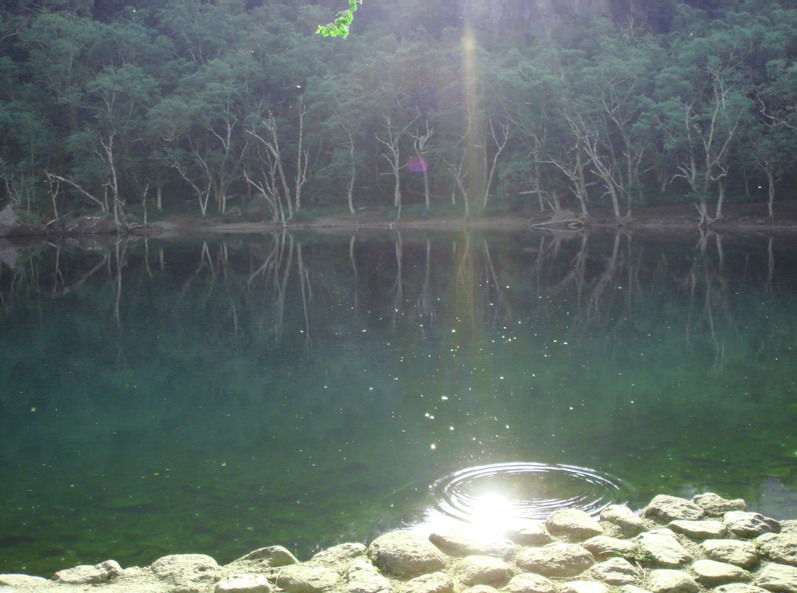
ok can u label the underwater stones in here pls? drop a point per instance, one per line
(186, 572)
(268, 557)
(460, 542)
(530, 534)
(733, 551)
(716, 506)
(301, 578)
(405, 553)
(89, 575)
(615, 571)
(572, 525)
(672, 508)
(780, 548)
(603, 546)
(664, 548)
(435, 582)
(363, 577)
(528, 582)
(626, 520)
(778, 577)
(712, 573)
(556, 560)
(244, 583)
(584, 587)
(743, 524)
(665, 580)
(482, 570)
(699, 529)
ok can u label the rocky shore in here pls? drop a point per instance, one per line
(673, 545)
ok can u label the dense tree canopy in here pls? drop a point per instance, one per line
(218, 106)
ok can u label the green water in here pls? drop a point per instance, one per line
(216, 397)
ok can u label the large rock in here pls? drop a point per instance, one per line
(405, 553)
(663, 548)
(482, 570)
(301, 578)
(778, 577)
(712, 573)
(716, 506)
(626, 520)
(89, 575)
(436, 582)
(187, 572)
(734, 551)
(603, 546)
(572, 525)
(363, 577)
(780, 548)
(461, 542)
(616, 571)
(338, 557)
(556, 560)
(531, 533)
(527, 582)
(746, 525)
(671, 508)
(671, 581)
(268, 557)
(699, 529)
(244, 583)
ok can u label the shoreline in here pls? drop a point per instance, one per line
(673, 545)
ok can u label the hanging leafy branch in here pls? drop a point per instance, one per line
(340, 26)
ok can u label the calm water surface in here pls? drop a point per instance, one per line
(216, 397)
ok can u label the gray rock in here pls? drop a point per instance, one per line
(528, 582)
(738, 588)
(780, 548)
(778, 577)
(584, 587)
(363, 577)
(572, 525)
(716, 506)
(671, 508)
(91, 225)
(89, 575)
(531, 533)
(671, 581)
(616, 571)
(712, 573)
(22, 581)
(603, 546)
(301, 578)
(458, 542)
(436, 582)
(405, 553)
(482, 570)
(186, 572)
(555, 560)
(271, 556)
(626, 520)
(699, 529)
(663, 548)
(734, 551)
(338, 557)
(789, 526)
(244, 583)
(747, 525)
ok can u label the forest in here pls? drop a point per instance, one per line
(237, 109)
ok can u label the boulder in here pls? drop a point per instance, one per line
(528, 582)
(573, 525)
(733, 551)
(461, 542)
(779, 547)
(22, 582)
(699, 529)
(615, 571)
(603, 546)
(268, 557)
(746, 525)
(663, 548)
(672, 508)
(186, 572)
(716, 506)
(531, 533)
(626, 520)
(301, 578)
(435, 582)
(482, 570)
(665, 580)
(556, 560)
(712, 573)
(89, 575)
(778, 577)
(405, 553)
(338, 557)
(244, 583)
(363, 577)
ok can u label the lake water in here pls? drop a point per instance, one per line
(216, 397)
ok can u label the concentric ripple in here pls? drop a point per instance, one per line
(526, 491)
